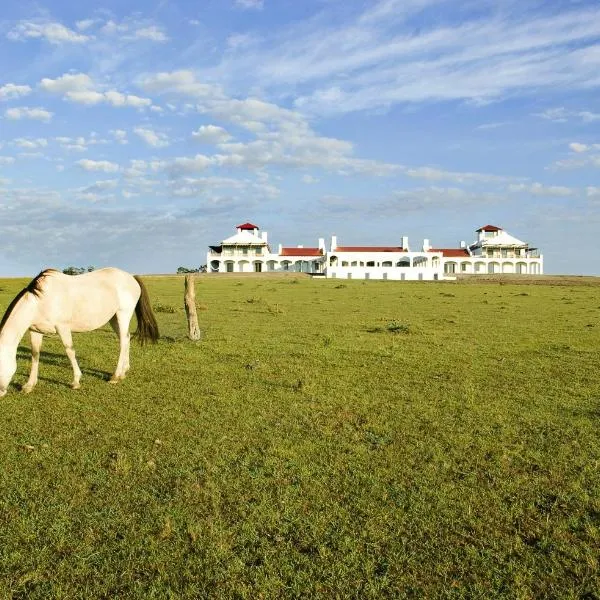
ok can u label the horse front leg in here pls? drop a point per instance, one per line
(67, 340)
(36, 346)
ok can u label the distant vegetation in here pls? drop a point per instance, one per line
(201, 269)
(78, 270)
(377, 440)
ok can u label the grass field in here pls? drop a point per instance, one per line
(325, 439)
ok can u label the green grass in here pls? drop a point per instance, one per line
(323, 440)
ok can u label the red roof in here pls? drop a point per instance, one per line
(301, 252)
(247, 226)
(489, 228)
(369, 249)
(451, 252)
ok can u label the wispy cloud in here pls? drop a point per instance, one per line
(250, 4)
(562, 115)
(55, 33)
(381, 57)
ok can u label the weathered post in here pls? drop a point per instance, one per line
(194, 332)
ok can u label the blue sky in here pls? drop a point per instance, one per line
(136, 133)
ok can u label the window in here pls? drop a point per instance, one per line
(349, 275)
(385, 276)
(386, 263)
(344, 263)
(245, 251)
(367, 275)
(370, 263)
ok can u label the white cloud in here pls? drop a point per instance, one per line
(85, 24)
(24, 112)
(310, 179)
(11, 91)
(120, 135)
(69, 82)
(577, 147)
(211, 134)
(55, 33)
(30, 143)
(81, 89)
(98, 165)
(592, 191)
(6, 160)
(250, 4)
(179, 82)
(151, 137)
(433, 174)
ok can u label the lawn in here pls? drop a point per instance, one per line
(325, 439)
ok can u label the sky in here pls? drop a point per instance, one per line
(136, 133)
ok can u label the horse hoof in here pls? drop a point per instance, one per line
(75, 386)
(114, 379)
(26, 389)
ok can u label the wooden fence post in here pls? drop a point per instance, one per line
(194, 332)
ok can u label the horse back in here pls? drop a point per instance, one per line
(87, 301)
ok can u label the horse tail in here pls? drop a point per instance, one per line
(147, 328)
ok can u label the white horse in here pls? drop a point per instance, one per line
(57, 303)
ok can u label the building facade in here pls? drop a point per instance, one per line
(494, 251)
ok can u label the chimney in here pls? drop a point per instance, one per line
(426, 245)
(280, 250)
(333, 243)
(463, 244)
(264, 236)
(300, 246)
(405, 243)
(322, 244)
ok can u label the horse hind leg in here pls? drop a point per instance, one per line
(36, 346)
(67, 340)
(120, 325)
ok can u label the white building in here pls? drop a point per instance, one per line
(494, 251)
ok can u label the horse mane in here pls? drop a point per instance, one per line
(33, 287)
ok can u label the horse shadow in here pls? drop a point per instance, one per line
(61, 360)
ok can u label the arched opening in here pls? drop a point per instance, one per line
(214, 266)
(494, 267)
(508, 267)
(420, 261)
(450, 267)
(403, 262)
